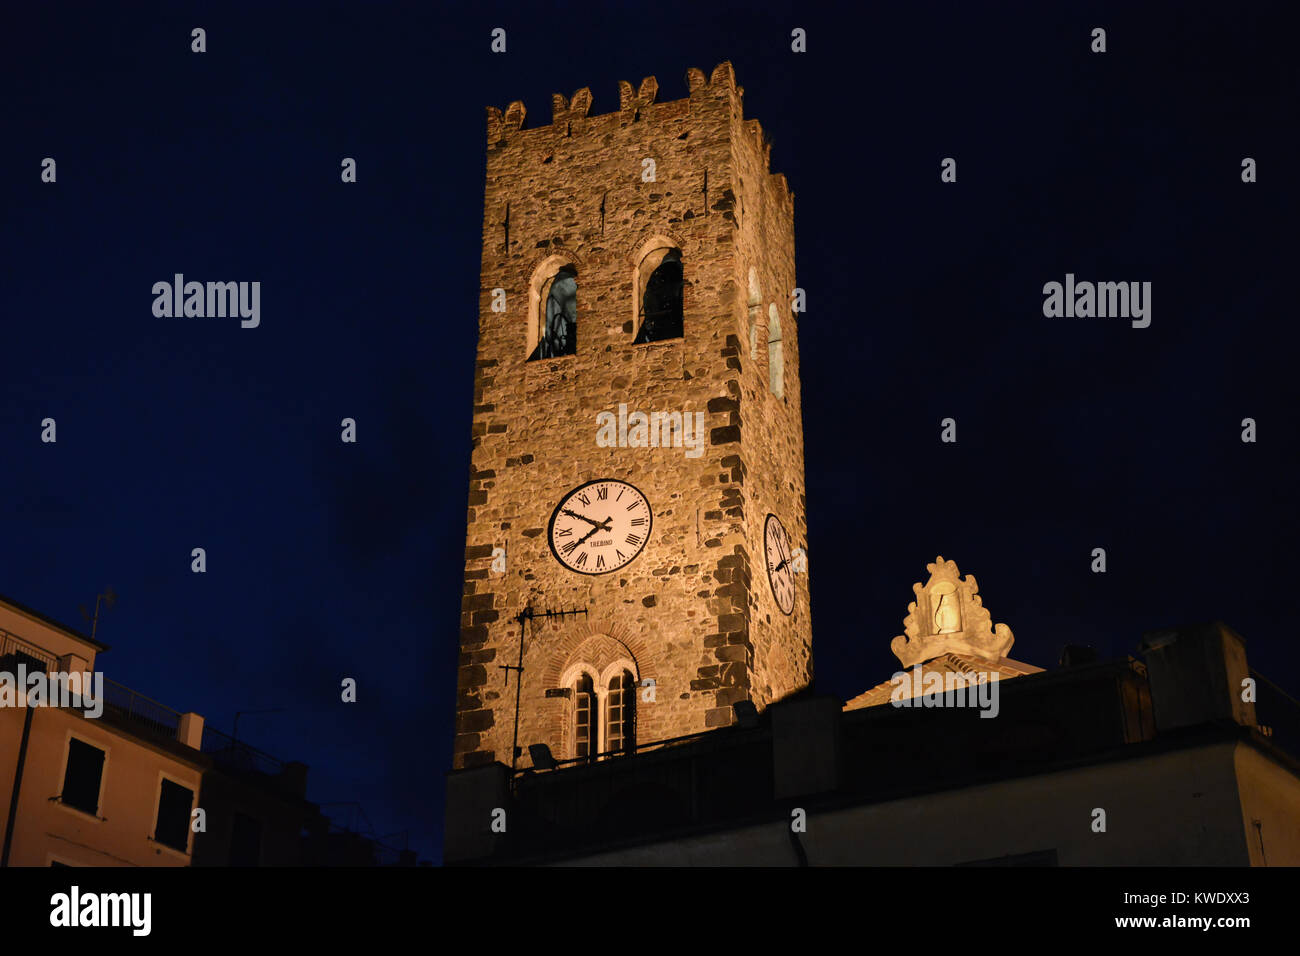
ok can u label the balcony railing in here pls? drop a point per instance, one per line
(145, 713)
(641, 748)
(235, 755)
(140, 709)
(1278, 714)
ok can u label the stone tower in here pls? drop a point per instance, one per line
(637, 283)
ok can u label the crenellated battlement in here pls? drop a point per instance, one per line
(568, 113)
(763, 146)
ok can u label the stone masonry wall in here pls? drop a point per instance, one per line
(773, 426)
(694, 611)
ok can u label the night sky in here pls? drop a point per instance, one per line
(327, 560)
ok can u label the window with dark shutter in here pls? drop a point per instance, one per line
(82, 777)
(173, 826)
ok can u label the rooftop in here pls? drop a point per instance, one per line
(1073, 716)
(146, 718)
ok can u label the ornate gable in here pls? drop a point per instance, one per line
(949, 617)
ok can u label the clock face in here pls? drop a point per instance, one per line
(776, 549)
(600, 526)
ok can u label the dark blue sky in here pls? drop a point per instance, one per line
(328, 560)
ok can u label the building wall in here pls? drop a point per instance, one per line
(11, 735)
(281, 819)
(694, 612)
(44, 637)
(129, 789)
(1270, 797)
(772, 426)
(1178, 808)
(134, 767)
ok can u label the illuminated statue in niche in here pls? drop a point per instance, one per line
(947, 618)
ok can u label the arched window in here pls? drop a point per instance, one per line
(660, 280)
(556, 316)
(602, 697)
(584, 717)
(775, 356)
(620, 713)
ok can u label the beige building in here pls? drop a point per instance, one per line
(79, 791)
(119, 783)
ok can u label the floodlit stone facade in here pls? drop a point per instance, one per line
(693, 617)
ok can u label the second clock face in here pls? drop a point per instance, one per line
(776, 549)
(600, 526)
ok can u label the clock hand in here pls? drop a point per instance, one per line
(599, 527)
(574, 514)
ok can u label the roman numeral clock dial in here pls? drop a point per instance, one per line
(776, 550)
(600, 526)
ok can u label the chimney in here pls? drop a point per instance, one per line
(190, 731)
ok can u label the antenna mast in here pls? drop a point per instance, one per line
(524, 616)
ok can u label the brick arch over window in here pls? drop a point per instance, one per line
(622, 643)
(599, 648)
(602, 677)
(598, 654)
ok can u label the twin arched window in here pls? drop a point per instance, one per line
(604, 717)
(553, 329)
(553, 303)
